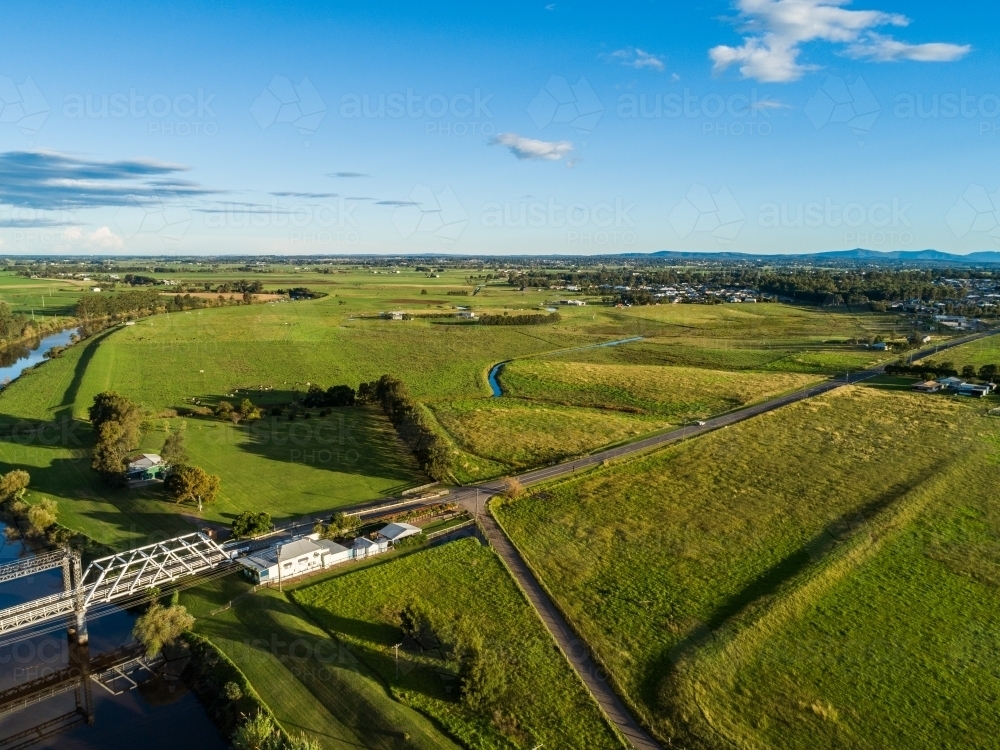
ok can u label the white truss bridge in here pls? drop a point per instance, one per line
(109, 579)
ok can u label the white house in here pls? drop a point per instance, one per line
(465, 314)
(285, 561)
(396, 531)
(368, 547)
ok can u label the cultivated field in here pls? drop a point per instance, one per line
(533, 697)
(662, 561)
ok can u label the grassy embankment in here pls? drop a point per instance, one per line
(533, 695)
(692, 572)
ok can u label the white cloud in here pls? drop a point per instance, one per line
(530, 148)
(633, 57)
(100, 239)
(776, 30)
(886, 49)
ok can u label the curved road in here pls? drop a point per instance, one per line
(474, 499)
(576, 650)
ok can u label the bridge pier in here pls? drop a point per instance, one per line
(72, 571)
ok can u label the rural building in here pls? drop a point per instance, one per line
(575, 302)
(881, 346)
(951, 382)
(396, 531)
(392, 315)
(368, 547)
(294, 558)
(145, 468)
(974, 390)
(928, 386)
(465, 314)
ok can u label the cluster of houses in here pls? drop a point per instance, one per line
(954, 385)
(685, 292)
(311, 553)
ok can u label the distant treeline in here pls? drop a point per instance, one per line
(15, 326)
(135, 302)
(527, 319)
(808, 285)
(927, 370)
(411, 423)
(301, 292)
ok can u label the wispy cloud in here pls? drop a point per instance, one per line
(348, 174)
(634, 57)
(291, 194)
(886, 49)
(530, 148)
(48, 181)
(777, 29)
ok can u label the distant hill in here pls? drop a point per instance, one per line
(857, 254)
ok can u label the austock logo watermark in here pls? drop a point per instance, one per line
(976, 211)
(165, 216)
(183, 115)
(950, 105)
(459, 114)
(559, 101)
(428, 212)
(600, 223)
(734, 115)
(22, 105)
(298, 105)
(839, 102)
(702, 211)
(329, 221)
(878, 223)
(314, 440)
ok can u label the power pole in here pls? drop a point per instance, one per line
(477, 503)
(396, 647)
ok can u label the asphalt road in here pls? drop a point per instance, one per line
(474, 499)
(577, 652)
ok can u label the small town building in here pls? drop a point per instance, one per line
(397, 531)
(145, 468)
(368, 547)
(285, 561)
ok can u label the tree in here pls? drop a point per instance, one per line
(969, 372)
(41, 516)
(117, 422)
(192, 483)
(223, 409)
(342, 525)
(13, 484)
(251, 523)
(257, 733)
(248, 410)
(512, 488)
(988, 373)
(161, 626)
(173, 451)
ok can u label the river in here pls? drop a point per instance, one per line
(158, 714)
(31, 357)
(494, 374)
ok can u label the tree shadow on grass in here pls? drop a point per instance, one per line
(769, 582)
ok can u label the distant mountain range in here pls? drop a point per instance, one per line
(858, 254)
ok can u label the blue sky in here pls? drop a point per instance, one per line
(755, 125)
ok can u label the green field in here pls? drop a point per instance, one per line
(676, 393)
(311, 683)
(272, 352)
(652, 557)
(984, 351)
(541, 701)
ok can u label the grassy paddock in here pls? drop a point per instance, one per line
(311, 683)
(646, 554)
(546, 703)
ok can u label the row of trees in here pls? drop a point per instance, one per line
(412, 424)
(986, 373)
(525, 319)
(334, 396)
